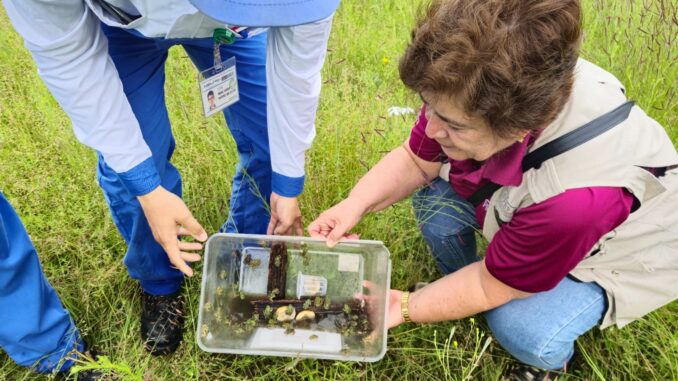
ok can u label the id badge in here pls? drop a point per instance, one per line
(219, 87)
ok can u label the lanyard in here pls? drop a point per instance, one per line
(221, 36)
(219, 83)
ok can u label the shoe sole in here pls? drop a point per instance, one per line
(161, 351)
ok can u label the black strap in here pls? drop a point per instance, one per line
(560, 145)
(482, 194)
(121, 16)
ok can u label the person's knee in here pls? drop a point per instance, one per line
(443, 224)
(452, 248)
(444, 228)
(438, 204)
(438, 217)
(527, 342)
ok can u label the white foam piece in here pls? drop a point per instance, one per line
(275, 339)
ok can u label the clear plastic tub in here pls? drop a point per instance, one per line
(294, 296)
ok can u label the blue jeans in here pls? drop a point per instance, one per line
(36, 330)
(140, 63)
(448, 224)
(539, 330)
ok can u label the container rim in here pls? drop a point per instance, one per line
(292, 238)
(378, 356)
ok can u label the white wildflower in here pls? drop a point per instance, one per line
(396, 111)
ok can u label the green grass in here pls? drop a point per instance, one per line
(49, 178)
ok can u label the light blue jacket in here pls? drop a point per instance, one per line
(71, 54)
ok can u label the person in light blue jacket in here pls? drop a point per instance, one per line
(103, 61)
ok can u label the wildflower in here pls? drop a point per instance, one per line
(397, 111)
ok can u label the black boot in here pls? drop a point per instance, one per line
(90, 375)
(162, 322)
(524, 372)
(86, 375)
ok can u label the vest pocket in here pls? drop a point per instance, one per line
(114, 16)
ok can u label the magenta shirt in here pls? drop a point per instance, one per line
(543, 242)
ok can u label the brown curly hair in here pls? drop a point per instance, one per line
(510, 62)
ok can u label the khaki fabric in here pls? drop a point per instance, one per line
(637, 263)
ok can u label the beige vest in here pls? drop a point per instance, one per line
(636, 263)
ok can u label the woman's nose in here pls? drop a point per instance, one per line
(435, 128)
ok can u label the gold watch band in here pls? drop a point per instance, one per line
(404, 306)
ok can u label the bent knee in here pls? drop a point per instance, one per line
(530, 343)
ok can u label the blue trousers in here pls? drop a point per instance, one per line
(36, 330)
(140, 62)
(539, 330)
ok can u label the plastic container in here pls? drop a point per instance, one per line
(295, 297)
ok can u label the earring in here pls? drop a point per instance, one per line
(523, 138)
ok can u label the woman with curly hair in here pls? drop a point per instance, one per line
(573, 186)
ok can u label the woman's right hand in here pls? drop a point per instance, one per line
(334, 223)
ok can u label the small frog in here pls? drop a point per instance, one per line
(305, 258)
(252, 322)
(307, 304)
(268, 312)
(347, 309)
(255, 263)
(251, 262)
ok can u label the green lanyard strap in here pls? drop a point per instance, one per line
(221, 36)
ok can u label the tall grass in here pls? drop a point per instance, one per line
(49, 178)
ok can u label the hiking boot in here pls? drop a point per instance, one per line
(524, 372)
(89, 375)
(162, 322)
(86, 375)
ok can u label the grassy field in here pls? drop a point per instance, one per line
(49, 178)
